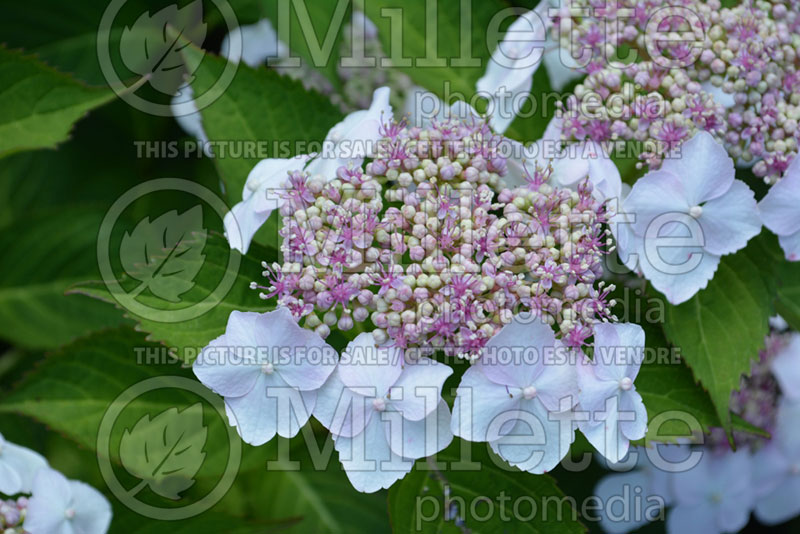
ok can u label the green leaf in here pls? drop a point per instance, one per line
(166, 254)
(207, 523)
(71, 390)
(94, 168)
(43, 255)
(321, 501)
(430, 501)
(62, 34)
(721, 329)
(314, 31)
(166, 452)
(441, 58)
(151, 46)
(672, 398)
(782, 276)
(788, 299)
(39, 104)
(189, 336)
(261, 114)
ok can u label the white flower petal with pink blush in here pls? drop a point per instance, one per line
(679, 272)
(686, 215)
(786, 368)
(268, 369)
(714, 497)
(259, 42)
(368, 461)
(61, 506)
(18, 466)
(187, 116)
(518, 396)
(365, 365)
(780, 210)
(509, 73)
(383, 412)
(353, 139)
(260, 197)
(571, 163)
(560, 65)
(777, 473)
(607, 394)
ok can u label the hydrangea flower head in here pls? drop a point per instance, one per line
(425, 251)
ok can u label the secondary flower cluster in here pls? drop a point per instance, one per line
(47, 502)
(712, 489)
(744, 60)
(427, 249)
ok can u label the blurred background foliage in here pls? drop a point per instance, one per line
(65, 357)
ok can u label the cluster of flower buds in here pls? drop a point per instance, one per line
(12, 514)
(427, 248)
(739, 80)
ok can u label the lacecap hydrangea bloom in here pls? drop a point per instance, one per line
(425, 253)
(44, 501)
(705, 486)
